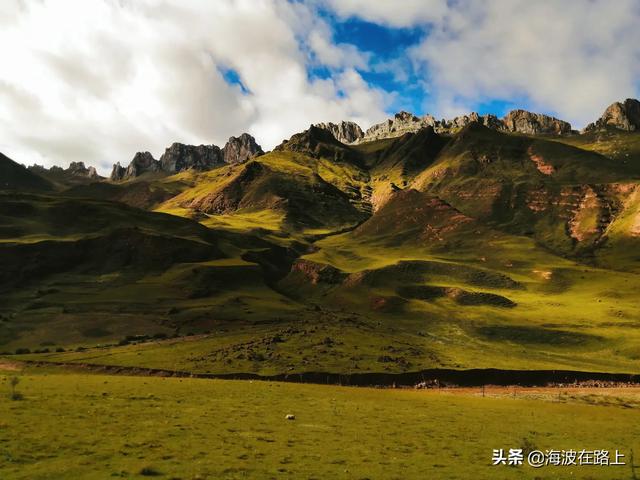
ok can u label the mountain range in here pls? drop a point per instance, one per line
(417, 243)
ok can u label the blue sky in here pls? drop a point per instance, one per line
(386, 45)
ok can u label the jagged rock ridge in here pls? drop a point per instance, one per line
(345, 132)
(521, 121)
(621, 115)
(240, 149)
(77, 169)
(517, 121)
(179, 157)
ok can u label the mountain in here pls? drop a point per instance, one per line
(345, 132)
(516, 121)
(317, 142)
(14, 176)
(521, 121)
(179, 157)
(421, 243)
(142, 162)
(75, 174)
(241, 149)
(281, 182)
(620, 115)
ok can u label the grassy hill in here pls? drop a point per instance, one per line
(479, 249)
(14, 176)
(78, 271)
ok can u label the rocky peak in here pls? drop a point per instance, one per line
(240, 149)
(117, 172)
(317, 142)
(345, 132)
(461, 121)
(79, 169)
(521, 121)
(621, 115)
(308, 140)
(75, 169)
(142, 162)
(180, 157)
(402, 122)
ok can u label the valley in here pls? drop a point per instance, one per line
(469, 248)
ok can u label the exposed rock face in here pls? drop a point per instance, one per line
(521, 121)
(142, 162)
(401, 123)
(240, 149)
(317, 142)
(345, 132)
(117, 172)
(180, 157)
(79, 169)
(75, 169)
(315, 273)
(624, 116)
(490, 121)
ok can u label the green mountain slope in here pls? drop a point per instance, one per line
(14, 176)
(477, 249)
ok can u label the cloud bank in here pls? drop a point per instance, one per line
(98, 80)
(570, 58)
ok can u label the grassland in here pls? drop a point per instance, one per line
(225, 318)
(281, 265)
(72, 425)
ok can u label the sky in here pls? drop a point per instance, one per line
(98, 80)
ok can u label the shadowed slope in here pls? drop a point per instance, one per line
(14, 176)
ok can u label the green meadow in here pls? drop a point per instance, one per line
(73, 425)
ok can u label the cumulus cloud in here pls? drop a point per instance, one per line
(98, 80)
(570, 58)
(407, 13)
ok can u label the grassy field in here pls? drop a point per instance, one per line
(566, 315)
(73, 425)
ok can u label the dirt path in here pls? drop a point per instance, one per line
(8, 366)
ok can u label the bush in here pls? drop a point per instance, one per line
(149, 472)
(14, 383)
(22, 351)
(60, 349)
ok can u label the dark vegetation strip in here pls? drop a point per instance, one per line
(427, 378)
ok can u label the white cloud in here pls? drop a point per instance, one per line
(98, 80)
(571, 58)
(393, 13)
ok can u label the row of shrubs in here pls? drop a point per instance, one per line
(143, 338)
(125, 341)
(24, 351)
